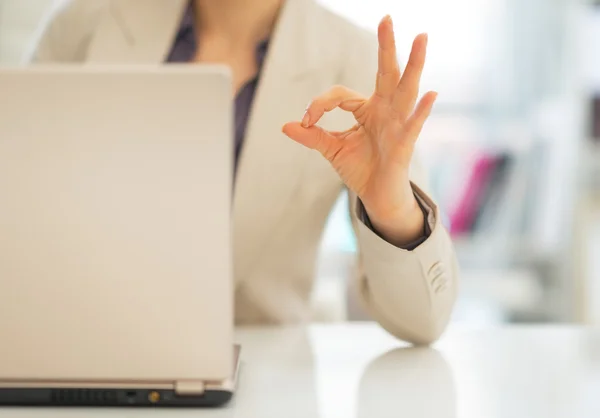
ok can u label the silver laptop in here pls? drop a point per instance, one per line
(115, 255)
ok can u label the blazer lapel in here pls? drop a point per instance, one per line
(140, 31)
(271, 165)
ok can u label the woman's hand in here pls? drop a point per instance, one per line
(373, 156)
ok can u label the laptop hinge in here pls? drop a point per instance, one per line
(189, 387)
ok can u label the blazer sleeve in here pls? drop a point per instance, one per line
(67, 32)
(410, 293)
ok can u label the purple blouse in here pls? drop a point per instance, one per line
(184, 49)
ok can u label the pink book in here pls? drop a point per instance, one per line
(465, 212)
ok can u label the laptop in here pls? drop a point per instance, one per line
(115, 251)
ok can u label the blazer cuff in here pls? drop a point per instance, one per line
(428, 214)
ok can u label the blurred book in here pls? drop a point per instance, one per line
(494, 193)
(482, 194)
(595, 118)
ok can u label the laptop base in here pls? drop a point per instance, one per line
(110, 398)
(216, 394)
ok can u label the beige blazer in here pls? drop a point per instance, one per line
(284, 192)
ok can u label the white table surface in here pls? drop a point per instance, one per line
(359, 371)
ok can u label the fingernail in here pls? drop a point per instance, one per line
(306, 119)
(388, 18)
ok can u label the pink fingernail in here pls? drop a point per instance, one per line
(306, 119)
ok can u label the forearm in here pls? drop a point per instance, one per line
(410, 291)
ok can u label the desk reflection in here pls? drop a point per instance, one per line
(284, 374)
(408, 382)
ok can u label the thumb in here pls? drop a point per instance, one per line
(315, 138)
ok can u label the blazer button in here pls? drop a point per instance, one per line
(438, 277)
(435, 270)
(442, 287)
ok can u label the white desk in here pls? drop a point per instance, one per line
(358, 371)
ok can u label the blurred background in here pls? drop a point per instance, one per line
(512, 150)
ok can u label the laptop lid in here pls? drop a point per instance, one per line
(115, 202)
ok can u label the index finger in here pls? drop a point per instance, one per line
(388, 72)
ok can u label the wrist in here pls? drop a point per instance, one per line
(401, 226)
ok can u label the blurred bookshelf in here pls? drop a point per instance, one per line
(504, 151)
(587, 231)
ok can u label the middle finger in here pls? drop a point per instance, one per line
(388, 72)
(407, 91)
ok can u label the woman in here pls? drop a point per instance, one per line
(284, 54)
